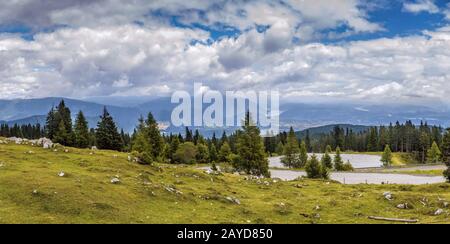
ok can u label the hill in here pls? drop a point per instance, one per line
(31, 191)
(317, 131)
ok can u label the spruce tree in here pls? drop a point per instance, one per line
(153, 136)
(327, 162)
(51, 124)
(446, 153)
(386, 158)
(81, 131)
(338, 162)
(251, 156)
(280, 149)
(213, 157)
(434, 154)
(174, 143)
(202, 153)
(107, 135)
(225, 153)
(291, 151)
(303, 156)
(314, 169)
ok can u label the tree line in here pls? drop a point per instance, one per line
(28, 131)
(419, 140)
(244, 149)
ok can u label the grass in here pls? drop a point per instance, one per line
(32, 192)
(418, 172)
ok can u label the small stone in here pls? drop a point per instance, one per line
(234, 200)
(66, 150)
(115, 180)
(61, 174)
(402, 206)
(94, 148)
(388, 196)
(439, 212)
(317, 208)
(35, 191)
(445, 204)
(129, 158)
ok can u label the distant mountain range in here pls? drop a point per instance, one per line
(299, 116)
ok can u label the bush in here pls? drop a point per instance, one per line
(314, 169)
(186, 153)
(143, 157)
(347, 167)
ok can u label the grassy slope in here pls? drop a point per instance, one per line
(86, 195)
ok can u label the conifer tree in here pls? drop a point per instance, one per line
(225, 153)
(107, 134)
(51, 124)
(213, 157)
(153, 136)
(81, 131)
(446, 153)
(338, 162)
(174, 143)
(434, 154)
(303, 156)
(280, 149)
(202, 153)
(327, 161)
(386, 158)
(291, 151)
(251, 156)
(314, 169)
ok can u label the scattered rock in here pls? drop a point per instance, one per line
(129, 158)
(66, 150)
(234, 200)
(61, 174)
(173, 190)
(388, 196)
(115, 180)
(94, 148)
(403, 206)
(45, 143)
(439, 212)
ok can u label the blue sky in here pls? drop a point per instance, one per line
(311, 50)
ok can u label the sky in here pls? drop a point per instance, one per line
(365, 51)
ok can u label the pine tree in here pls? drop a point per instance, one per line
(174, 143)
(446, 153)
(434, 154)
(107, 134)
(251, 157)
(338, 162)
(314, 169)
(326, 161)
(303, 156)
(280, 149)
(202, 153)
(213, 157)
(51, 124)
(225, 153)
(154, 136)
(291, 151)
(81, 131)
(59, 125)
(61, 135)
(386, 158)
